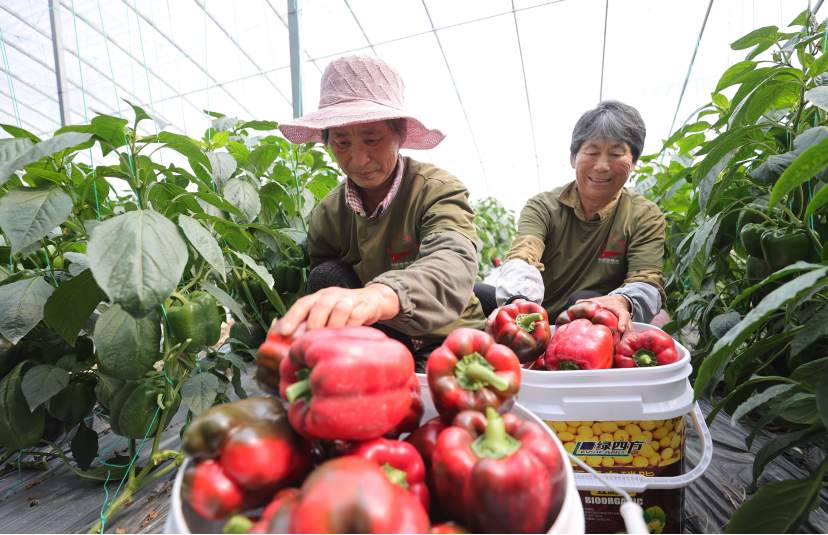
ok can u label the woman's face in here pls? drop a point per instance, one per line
(367, 152)
(602, 167)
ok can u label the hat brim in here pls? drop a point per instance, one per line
(308, 128)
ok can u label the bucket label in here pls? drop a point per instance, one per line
(647, 447)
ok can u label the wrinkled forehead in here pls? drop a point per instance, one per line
(362, 129)
(604, 143)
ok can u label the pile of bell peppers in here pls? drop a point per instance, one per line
(353, 393)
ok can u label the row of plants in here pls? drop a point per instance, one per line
(115, 279)
(743, 185)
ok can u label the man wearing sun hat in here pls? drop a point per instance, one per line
(395, 242)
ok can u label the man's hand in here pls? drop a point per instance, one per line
(618, 305)
(340, 307)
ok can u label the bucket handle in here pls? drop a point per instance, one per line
(639, 483)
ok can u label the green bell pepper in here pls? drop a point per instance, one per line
(751, 238)
(197, 318)
(783, 247)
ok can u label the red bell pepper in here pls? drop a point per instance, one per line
(271, 353)
(580, 345)
(499, 473)
(411, 421)
(424, 438)
(276, 516)
(591, 311)
(401, 462)
(522, 326)
(347, 384)
(248, 443)
(353, 495)
(471, 371)
(447, 527)
(651, 347)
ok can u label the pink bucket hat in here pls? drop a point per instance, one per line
(360, 89)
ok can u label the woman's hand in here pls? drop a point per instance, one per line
(618, 305)
(340, 307)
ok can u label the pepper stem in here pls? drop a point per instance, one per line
(301, 388)
(395, 475)
(527, 321)
(495, 443)
(644, 358)
(474, 372)
(237, 524)
(569, 365)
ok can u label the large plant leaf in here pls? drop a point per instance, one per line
(722, 323)
(734, 73)
(23, 303)
(84, 446)
(773, 277)
(758, 399)
(78, 262)
(18, 132)
(40, 150)
(204, 243)
(262, 157)
(801, 408)
(260, 271)
(812, 160)
(110, 129)
(12, 148)
(184, 146)
(811, 372)
(702, 237)
(724, 347)
(260, 125)
(70, 306)
(199, 392)
(818, 96)
(28, 214)
(779, 506)
(772, 93)
(815, 327)
(242, 194)
(42, 382)
(226, 300)
(223, 166)
(137, 258)
(779, 444)
(756, 37)
(822, 398)
(819, 200)
(219, 202)
(127, 347)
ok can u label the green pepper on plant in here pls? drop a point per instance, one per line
(196, 318)
(782, 247)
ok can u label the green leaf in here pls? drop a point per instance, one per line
(12, 148)
(803, 19)
(40, 150)
(779, 506)
(260, 125)
(722, 323)
(242, 194)
(70, 306)
(822, 398)
(78, 262)
(733, 75)
(776, 275)
(819, 200)
(110, 129)
(199, 392)
(779, 444)
(819, 66)
(224, 299)
(223, 166)
(187, 147)
(127, 347)
(235, 360)
(812, 160)
(771, 94)
(758, 399)
(815, 327)
(42, 382)
(218, 201)
(260, 271)
(759, 36)
(28, 214)
(84, 446)
(725, 346)
(18, 132)
(801, 409)
(204, 243)
(262, 157)
(810, 372)
(137, 258)
(140, 114)
(818, 96)
(22, 309)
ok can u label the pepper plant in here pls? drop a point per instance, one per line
(743, 186)
(496, 227)
(116, 278)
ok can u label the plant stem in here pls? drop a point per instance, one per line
(125, 496)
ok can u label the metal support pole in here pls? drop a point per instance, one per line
(295, 57)
(60, 66)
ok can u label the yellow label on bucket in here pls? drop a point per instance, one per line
(628, 445)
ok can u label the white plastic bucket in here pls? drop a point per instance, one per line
(638, 395)
(181, 519)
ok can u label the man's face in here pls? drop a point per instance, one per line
(367, 153)
(602, 167)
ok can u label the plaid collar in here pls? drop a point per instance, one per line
(569, 197)
(354, 200)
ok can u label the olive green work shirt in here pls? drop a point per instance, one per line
(424, 246)
(622, 243)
